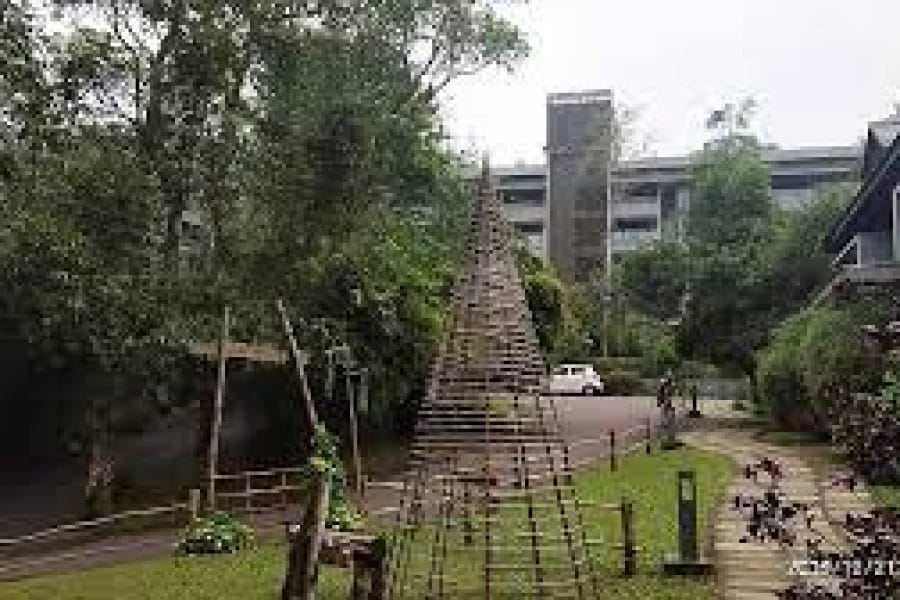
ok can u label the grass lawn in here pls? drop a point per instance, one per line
(648, 481)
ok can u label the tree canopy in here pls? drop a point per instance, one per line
(160, 160)
(744, 264)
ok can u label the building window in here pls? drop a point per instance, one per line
(527, 197)
(530, 227)
(635, 224)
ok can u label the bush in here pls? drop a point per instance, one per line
(326, 459)
(218, 533)
(811, 356)
(605, 364)
(622, 383)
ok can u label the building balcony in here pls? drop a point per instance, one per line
(632, 239)
(519, 213)
(636, 207)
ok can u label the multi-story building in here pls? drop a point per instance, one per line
(522, 190)
(651, 197)
(579, 210)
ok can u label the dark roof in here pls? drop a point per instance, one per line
(885, 131)
(881, 136)
(872, 201)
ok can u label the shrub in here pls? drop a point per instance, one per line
(622, 383)
(216, 534)
(326, 459)
(605, 364)
(811, 356)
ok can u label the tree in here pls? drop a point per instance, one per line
(800, 267)
(654, 279)
(744, 264)
(303, 135)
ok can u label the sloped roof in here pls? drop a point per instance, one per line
(882, 173)
(885, 131)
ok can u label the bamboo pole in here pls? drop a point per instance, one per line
(354, 433)
(216, 421)
(612, 449)
(299, 364)
(629, 553)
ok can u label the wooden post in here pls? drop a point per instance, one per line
(649, 436)
(193, 504)
(377, 588)
(329, 375)
(354, 434)
(248, 497)
(363, 391)
(216, 421)
(284, 482)
(467, 517)
(299, 365)
(305, 542)
(629, 554)
(612, 449)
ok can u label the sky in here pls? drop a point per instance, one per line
(819, 70)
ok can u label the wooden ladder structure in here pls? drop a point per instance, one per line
(489, 510)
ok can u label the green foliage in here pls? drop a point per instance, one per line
(812, 356)
(654, 279)
(301, 139)
(798, 264)
(326, 460)
(745, 264)
(559, 312)
(219, 533)
(621, 383)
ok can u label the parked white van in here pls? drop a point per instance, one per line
(575, 379)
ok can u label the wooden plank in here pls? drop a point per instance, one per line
(300, 361)
(216, 419)
(258, 353)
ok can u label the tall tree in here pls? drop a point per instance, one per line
(302, 135)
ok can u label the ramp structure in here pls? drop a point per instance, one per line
(489, 508)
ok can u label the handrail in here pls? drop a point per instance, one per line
(82, 525)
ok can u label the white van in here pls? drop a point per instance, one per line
(575, 379)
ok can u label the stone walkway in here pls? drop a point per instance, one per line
(757, 570)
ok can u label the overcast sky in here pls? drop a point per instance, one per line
(819, 69)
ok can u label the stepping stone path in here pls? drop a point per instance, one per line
(755, 569)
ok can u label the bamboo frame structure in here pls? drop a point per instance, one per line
(489, 510)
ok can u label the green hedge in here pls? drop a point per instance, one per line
(622, 383)
(811, 356)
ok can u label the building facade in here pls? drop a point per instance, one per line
(651, 197)
(866, 239)
(579, 139)
(578, 210)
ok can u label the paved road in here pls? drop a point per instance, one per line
(587, 420)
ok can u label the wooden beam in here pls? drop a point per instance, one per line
(354, 435)
(216, 420)
(305, 544)
(300, 361)
(259, 353)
